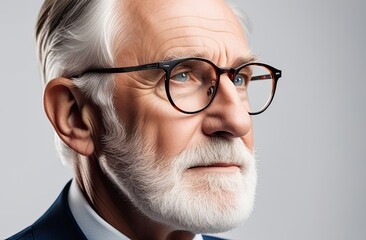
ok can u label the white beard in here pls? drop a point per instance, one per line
(164, 191)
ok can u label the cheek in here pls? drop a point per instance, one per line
(162, 126)
(170, 134)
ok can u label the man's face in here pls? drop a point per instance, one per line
(192, 171)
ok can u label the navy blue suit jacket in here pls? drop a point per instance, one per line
(58, 223)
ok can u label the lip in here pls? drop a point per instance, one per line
(217, 167)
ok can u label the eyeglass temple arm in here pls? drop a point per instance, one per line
(261, 77)
(123, 69)
(266, 76)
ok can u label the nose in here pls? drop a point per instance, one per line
(227, 116)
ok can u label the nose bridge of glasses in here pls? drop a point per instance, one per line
(230, 72)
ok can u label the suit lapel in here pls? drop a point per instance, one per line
(58, 223)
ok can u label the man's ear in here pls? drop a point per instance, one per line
(70, 115)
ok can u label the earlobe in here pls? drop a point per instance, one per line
(70, 116)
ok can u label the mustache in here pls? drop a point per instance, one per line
(215, 151)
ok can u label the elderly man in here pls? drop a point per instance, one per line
(151, 102)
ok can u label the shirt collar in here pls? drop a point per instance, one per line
(91, 224)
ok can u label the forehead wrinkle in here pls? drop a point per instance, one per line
(178, 28)
(207, 27)
(184, 34)
(218, 53)
(193, 20)
(163, 54)
(218, 10)
(199, 39)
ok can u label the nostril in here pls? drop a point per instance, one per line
(210, 91)
(222, 134)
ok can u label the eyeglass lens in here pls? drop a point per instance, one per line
(193, 83)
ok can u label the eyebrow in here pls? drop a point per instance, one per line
(246, 59)
(171, 57)
(238, 62)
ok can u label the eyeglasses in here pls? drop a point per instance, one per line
(192, 83)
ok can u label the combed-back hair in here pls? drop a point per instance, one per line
(72, 36)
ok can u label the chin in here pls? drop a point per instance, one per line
(210, 203)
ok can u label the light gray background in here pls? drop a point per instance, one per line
(310, 142)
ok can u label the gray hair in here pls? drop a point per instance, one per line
(74, 35)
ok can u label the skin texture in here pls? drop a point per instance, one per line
(158, 30)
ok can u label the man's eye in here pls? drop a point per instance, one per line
(239, 80)
(181, 77)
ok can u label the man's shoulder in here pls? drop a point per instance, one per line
(56, 224)
(26, 234)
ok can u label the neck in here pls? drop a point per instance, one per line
(116, 209)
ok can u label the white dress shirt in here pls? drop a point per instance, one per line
(91, 224)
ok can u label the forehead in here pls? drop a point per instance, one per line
(181, 28)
